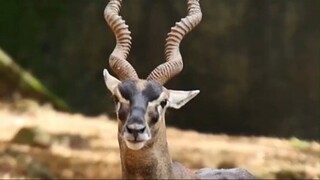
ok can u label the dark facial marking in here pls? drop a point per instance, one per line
(154, 116)
(138, 101)
(123, 111)
(136, 117)
(127, 89)
(152, 91)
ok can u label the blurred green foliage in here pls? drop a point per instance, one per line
(16, 78)
(255, 62)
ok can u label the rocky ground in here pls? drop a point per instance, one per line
(37, 141)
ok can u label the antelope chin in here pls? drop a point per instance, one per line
(135, 145)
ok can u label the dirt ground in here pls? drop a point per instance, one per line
(86, 147)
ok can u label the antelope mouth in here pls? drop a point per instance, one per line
(136, 144)
(136, 141)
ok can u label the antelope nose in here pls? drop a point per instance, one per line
(135, 129)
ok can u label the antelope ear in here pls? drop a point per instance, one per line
(111, 81)
(177, 99)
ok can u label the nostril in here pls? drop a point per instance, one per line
(142, 130)
(129, 130)
(135, 129)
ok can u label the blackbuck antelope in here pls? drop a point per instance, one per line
(141, 104)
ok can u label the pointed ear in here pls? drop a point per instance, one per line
(179, 98)
(111, 81)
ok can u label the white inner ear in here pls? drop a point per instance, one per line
(179, 98)
(111, 81)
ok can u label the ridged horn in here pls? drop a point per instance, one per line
(174, 63)
(117, 59)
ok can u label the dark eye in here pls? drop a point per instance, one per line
(163, 103)
(115, 99)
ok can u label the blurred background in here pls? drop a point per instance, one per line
(255, 62)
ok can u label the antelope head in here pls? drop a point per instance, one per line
(141, 103)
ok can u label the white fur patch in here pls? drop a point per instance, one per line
(135, 146)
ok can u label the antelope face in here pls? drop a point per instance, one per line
(140, 107)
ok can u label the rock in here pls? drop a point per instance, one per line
(33, 136)
(39, 171)
(73, 141)
(291, 174)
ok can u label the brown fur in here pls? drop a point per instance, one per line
(151, 162)
(141, 84)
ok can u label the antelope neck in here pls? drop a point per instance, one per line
(151, 162)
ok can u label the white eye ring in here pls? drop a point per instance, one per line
(118, 106)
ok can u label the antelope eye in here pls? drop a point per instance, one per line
(163, 103)
(115, 99)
